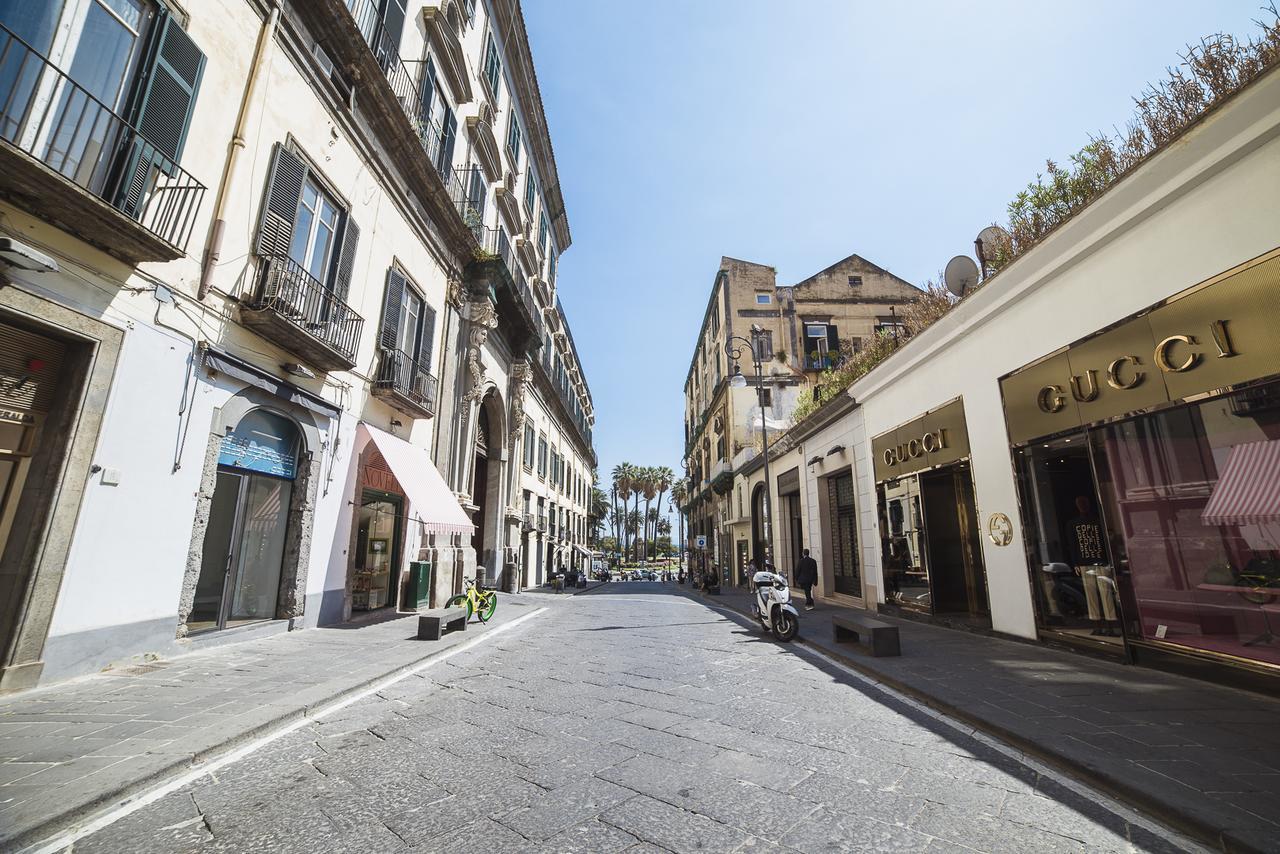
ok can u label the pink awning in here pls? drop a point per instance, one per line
(1248, 493)
(431, 502)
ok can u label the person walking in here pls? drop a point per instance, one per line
(806, 577)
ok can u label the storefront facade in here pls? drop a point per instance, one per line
(1117, 385)
(1148, 457)
(928, 528)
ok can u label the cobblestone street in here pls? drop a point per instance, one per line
(636, 719)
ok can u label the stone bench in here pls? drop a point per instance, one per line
(432, 623)
(879, 637)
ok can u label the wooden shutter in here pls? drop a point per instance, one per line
(428, 334)
(833, 340)
(280, 207)
(346, 258)
(391, 301)
(171, 84)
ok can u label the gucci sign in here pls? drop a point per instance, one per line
(929, 443)
(1173, 355)
(1000, 529)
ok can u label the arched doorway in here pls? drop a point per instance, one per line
(757, 526)
(244, 543)
(486, 491)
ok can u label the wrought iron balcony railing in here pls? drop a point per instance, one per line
(290, 292)
(47, 115)
(402, 374)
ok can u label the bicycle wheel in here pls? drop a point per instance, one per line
(488, 604)
(461, 601)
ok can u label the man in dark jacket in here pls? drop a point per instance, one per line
(806, 577)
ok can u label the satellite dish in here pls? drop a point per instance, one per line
(960, 275)
(989, 240)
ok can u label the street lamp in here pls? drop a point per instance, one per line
(734, 351)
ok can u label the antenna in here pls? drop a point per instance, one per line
(960, 275)
(988, 244)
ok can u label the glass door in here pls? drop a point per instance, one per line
(243, 551)
(901, 525)
(376, 580)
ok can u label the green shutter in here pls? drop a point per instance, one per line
(172, 82)
(346, 258)
(280, 207)
(391, 309)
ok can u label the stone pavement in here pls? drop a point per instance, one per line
(71, 748)
(1202, 757)
(630, 719)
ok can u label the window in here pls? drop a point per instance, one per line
(551, 268)
(763, 299)
(542, 232)
(315, 230)
(821, 346)
(530, 447)
(303, 221)
(408, 323)
(492, 67)
(891, 325)
(762, 345)
(542, 457)
(530, 192)
(513, 140)
(855, 281)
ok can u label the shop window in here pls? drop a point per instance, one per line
(843, 524)
(1193, 513)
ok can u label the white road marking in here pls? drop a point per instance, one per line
(112, 814)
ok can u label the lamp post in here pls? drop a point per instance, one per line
(733, 347)
(684, 547)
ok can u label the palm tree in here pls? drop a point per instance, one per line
(637, 484)
(649, 486)
(663, 475)
(599, 508)
(680, 494)
(623, 474)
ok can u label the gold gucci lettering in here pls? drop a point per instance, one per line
(1113, 373)
(931, 442)
(1162, 354)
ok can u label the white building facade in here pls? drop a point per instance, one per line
(276, 309)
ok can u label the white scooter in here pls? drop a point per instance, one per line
(771, 605)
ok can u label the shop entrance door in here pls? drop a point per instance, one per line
(243, 551)
(1073, 577)
(957, 578)
(376, 583)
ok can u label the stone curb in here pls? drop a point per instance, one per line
(71, 813)
(1219, 838)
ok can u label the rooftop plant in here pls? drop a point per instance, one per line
(1210, 73)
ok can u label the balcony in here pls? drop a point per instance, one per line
(351, 33)
(405, 383)
(293, 309)
(542, 524)
(68, 158)
(528, 523)
(496, 273)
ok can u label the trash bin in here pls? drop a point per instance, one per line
(417, 592)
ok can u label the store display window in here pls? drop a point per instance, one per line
(1192, 496)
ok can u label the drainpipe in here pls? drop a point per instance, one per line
(261, 56)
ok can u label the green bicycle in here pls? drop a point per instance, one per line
(482, 603)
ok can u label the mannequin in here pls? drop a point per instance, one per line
(1089, 557)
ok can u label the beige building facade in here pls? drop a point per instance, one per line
(802, 329)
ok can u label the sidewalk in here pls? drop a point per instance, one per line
(1198, 756)
(70, 749)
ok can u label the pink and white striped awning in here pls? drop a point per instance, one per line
(1248, 493)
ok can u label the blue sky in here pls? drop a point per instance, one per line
(794, 134)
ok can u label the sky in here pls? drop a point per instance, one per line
(795, 134)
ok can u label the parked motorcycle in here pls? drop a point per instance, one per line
(771, 605)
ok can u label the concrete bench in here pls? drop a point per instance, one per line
(879, 637)
(431, 624)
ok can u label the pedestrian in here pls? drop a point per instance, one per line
(806, 577)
